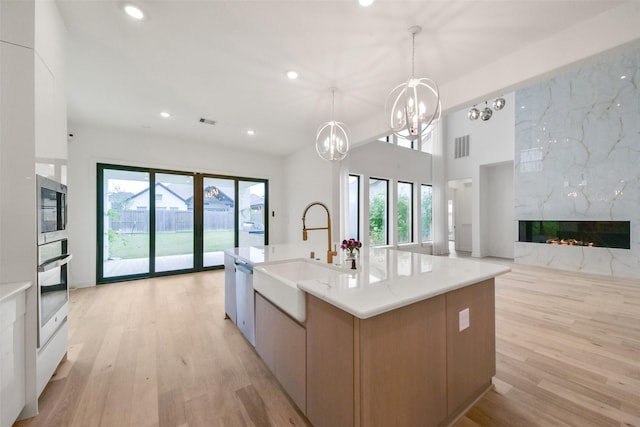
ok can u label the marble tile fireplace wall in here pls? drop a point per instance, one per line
(577, 158)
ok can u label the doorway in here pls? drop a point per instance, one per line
(459, 205)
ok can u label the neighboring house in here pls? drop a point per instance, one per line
(180, 197)
(215, 200)
(167, 197)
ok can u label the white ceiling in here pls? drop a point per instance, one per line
(226, 60)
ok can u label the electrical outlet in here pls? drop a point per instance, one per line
(463, 320)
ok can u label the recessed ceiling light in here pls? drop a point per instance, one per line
(292, 75)
(251, 132)
(623, 77)
(165, 114)
(134, 12)
(365, 3)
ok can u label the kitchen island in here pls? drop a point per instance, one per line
(405, 339)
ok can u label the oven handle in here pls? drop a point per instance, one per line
(55, 263)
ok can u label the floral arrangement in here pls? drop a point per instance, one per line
(351, 245)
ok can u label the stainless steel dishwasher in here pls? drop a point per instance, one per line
(245, 300)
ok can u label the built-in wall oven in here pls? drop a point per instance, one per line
(53, 258)
(53, 278)
(53, 287)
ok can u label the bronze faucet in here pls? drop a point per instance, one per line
(330, 253)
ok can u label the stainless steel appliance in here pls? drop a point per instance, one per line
(53, 289)
(245, 299)
(52, 210)
(53, 284)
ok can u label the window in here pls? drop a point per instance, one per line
(155, 222)
(426, 212)
(423, 143)
(354, 207)
(405, 210)
(403, 142)
(378, 211)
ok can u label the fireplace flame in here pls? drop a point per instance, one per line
(569, 242)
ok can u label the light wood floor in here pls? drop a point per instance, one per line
(158, 353)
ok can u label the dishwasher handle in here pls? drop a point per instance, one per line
(245, 267)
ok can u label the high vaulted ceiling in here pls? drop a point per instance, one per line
(227, 60)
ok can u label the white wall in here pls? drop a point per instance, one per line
(92, 145)
(499, 228)
(308, 178)
(490, 143)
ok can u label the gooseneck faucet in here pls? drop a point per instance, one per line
(330, 253)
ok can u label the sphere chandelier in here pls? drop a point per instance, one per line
(412, 106)
(332, 137)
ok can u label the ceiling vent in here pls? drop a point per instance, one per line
(207, 121)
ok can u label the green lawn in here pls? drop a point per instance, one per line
(130, 246)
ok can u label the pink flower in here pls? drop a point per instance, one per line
(351, 245)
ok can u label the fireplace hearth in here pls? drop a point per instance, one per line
(603, 234)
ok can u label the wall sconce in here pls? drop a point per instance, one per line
(486, 113)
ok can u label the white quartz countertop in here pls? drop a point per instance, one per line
(388, 279)
(7, 290)
(256, 255)
(385, 279)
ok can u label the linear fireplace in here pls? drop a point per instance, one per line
(607, 234)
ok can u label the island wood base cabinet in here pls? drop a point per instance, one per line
(281, 343)
(424, 364)
(419, 365)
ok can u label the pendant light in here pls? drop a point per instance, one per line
(332, 137)
(486, 113)
(412, 106)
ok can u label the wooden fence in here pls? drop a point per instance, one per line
(130, 221)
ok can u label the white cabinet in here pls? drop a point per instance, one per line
(12, 352)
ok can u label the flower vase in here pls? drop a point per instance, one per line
(351, 258)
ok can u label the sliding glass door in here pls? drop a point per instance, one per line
(155, 222)
(174, 225)
(251, 213)
(125, 219)
(219, 219)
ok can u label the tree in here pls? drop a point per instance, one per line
(403, 220)
(378, 220)
(426, 215)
